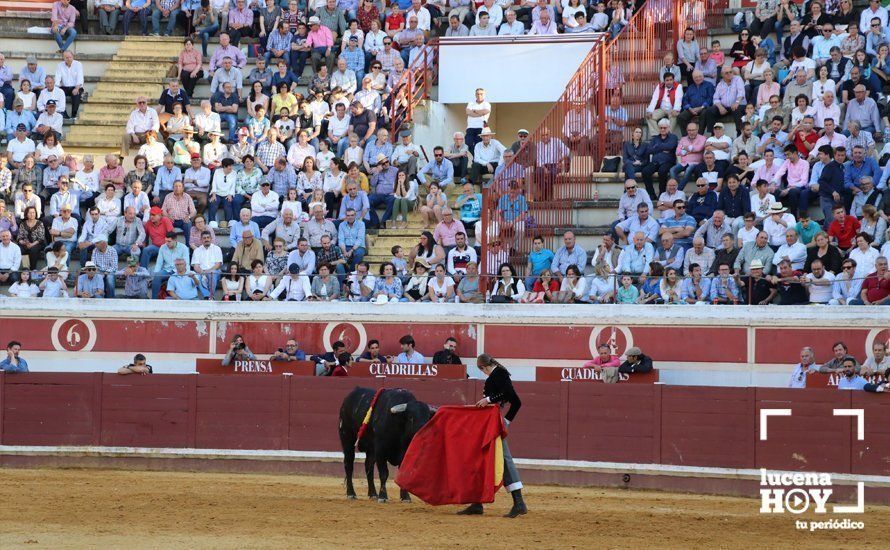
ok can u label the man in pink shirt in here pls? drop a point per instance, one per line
(447, 229)
(605, 360)
(63, 17)
(689, 150)
(797, 177)
(321, 41)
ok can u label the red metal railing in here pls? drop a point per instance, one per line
(412, 88)
(601, 106)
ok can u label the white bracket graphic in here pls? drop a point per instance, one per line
(860, 420)
(764, 416)
(860, 502)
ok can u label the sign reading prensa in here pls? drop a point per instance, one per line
(407, 370)
(256, 366)
(585, 374)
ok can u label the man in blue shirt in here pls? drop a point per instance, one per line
(409, 355)
(539, 259)
(439, 170)
(166, 262)
(663, 157)
(849, 380)
(183, 284)
(697, 97)
(568, 254)
(13, 363)
(860, 165)
(351, 239)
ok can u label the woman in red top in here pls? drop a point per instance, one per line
(367, 12)
(546, 284)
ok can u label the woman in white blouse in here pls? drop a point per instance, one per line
(258, 283)
(24, 288)
(87, 180)
(109, 206)
(406, 198)
(865, 255)
(574, 286)
(50, 146)
(823, 84)
(441, 286)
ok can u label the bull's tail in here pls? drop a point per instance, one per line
(367, 420)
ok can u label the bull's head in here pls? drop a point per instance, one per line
(413, 416)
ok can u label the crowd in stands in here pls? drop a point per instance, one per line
(791, 121)
(409, 23)
(298, 180)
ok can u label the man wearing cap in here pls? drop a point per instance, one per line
(354, 57)
(136, 279)
(51, 93)
(156, 229)
(20, 147)
(18, 115)
(69, 73)
(382, 190)
(141, 120)
(93, 228)
(486, 156)
(405, 154)
(248, 250)
(63, 196)
(130, 234)
(439, 170)
(48, 121)
(89, 283)
(321, 40)
(33, 73)
(296, 287)
(635, 362)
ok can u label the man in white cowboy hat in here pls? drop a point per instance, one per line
(142, 119)
(90, 284)
(487, 154)
(754, 288)
(776, 223)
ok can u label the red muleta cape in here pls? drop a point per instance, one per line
(456, 458)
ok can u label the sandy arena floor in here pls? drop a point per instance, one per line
(114, 509)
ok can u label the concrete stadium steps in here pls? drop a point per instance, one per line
(137, 67)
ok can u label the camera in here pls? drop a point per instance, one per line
(239, 347)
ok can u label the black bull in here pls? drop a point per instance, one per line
(396, 417)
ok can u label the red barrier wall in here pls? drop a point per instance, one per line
(692, 426)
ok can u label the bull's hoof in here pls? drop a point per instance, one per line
(351, 497)
(407, 500)
(383, 500)
(372, 497)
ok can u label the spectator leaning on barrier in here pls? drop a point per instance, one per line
(138, 366)
(290, 352)
(13, 362)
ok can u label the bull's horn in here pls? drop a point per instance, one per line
(398, 408)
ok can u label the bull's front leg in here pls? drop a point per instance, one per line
(348, 465)
(383, 472)
(369, 471)
(404, 495)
